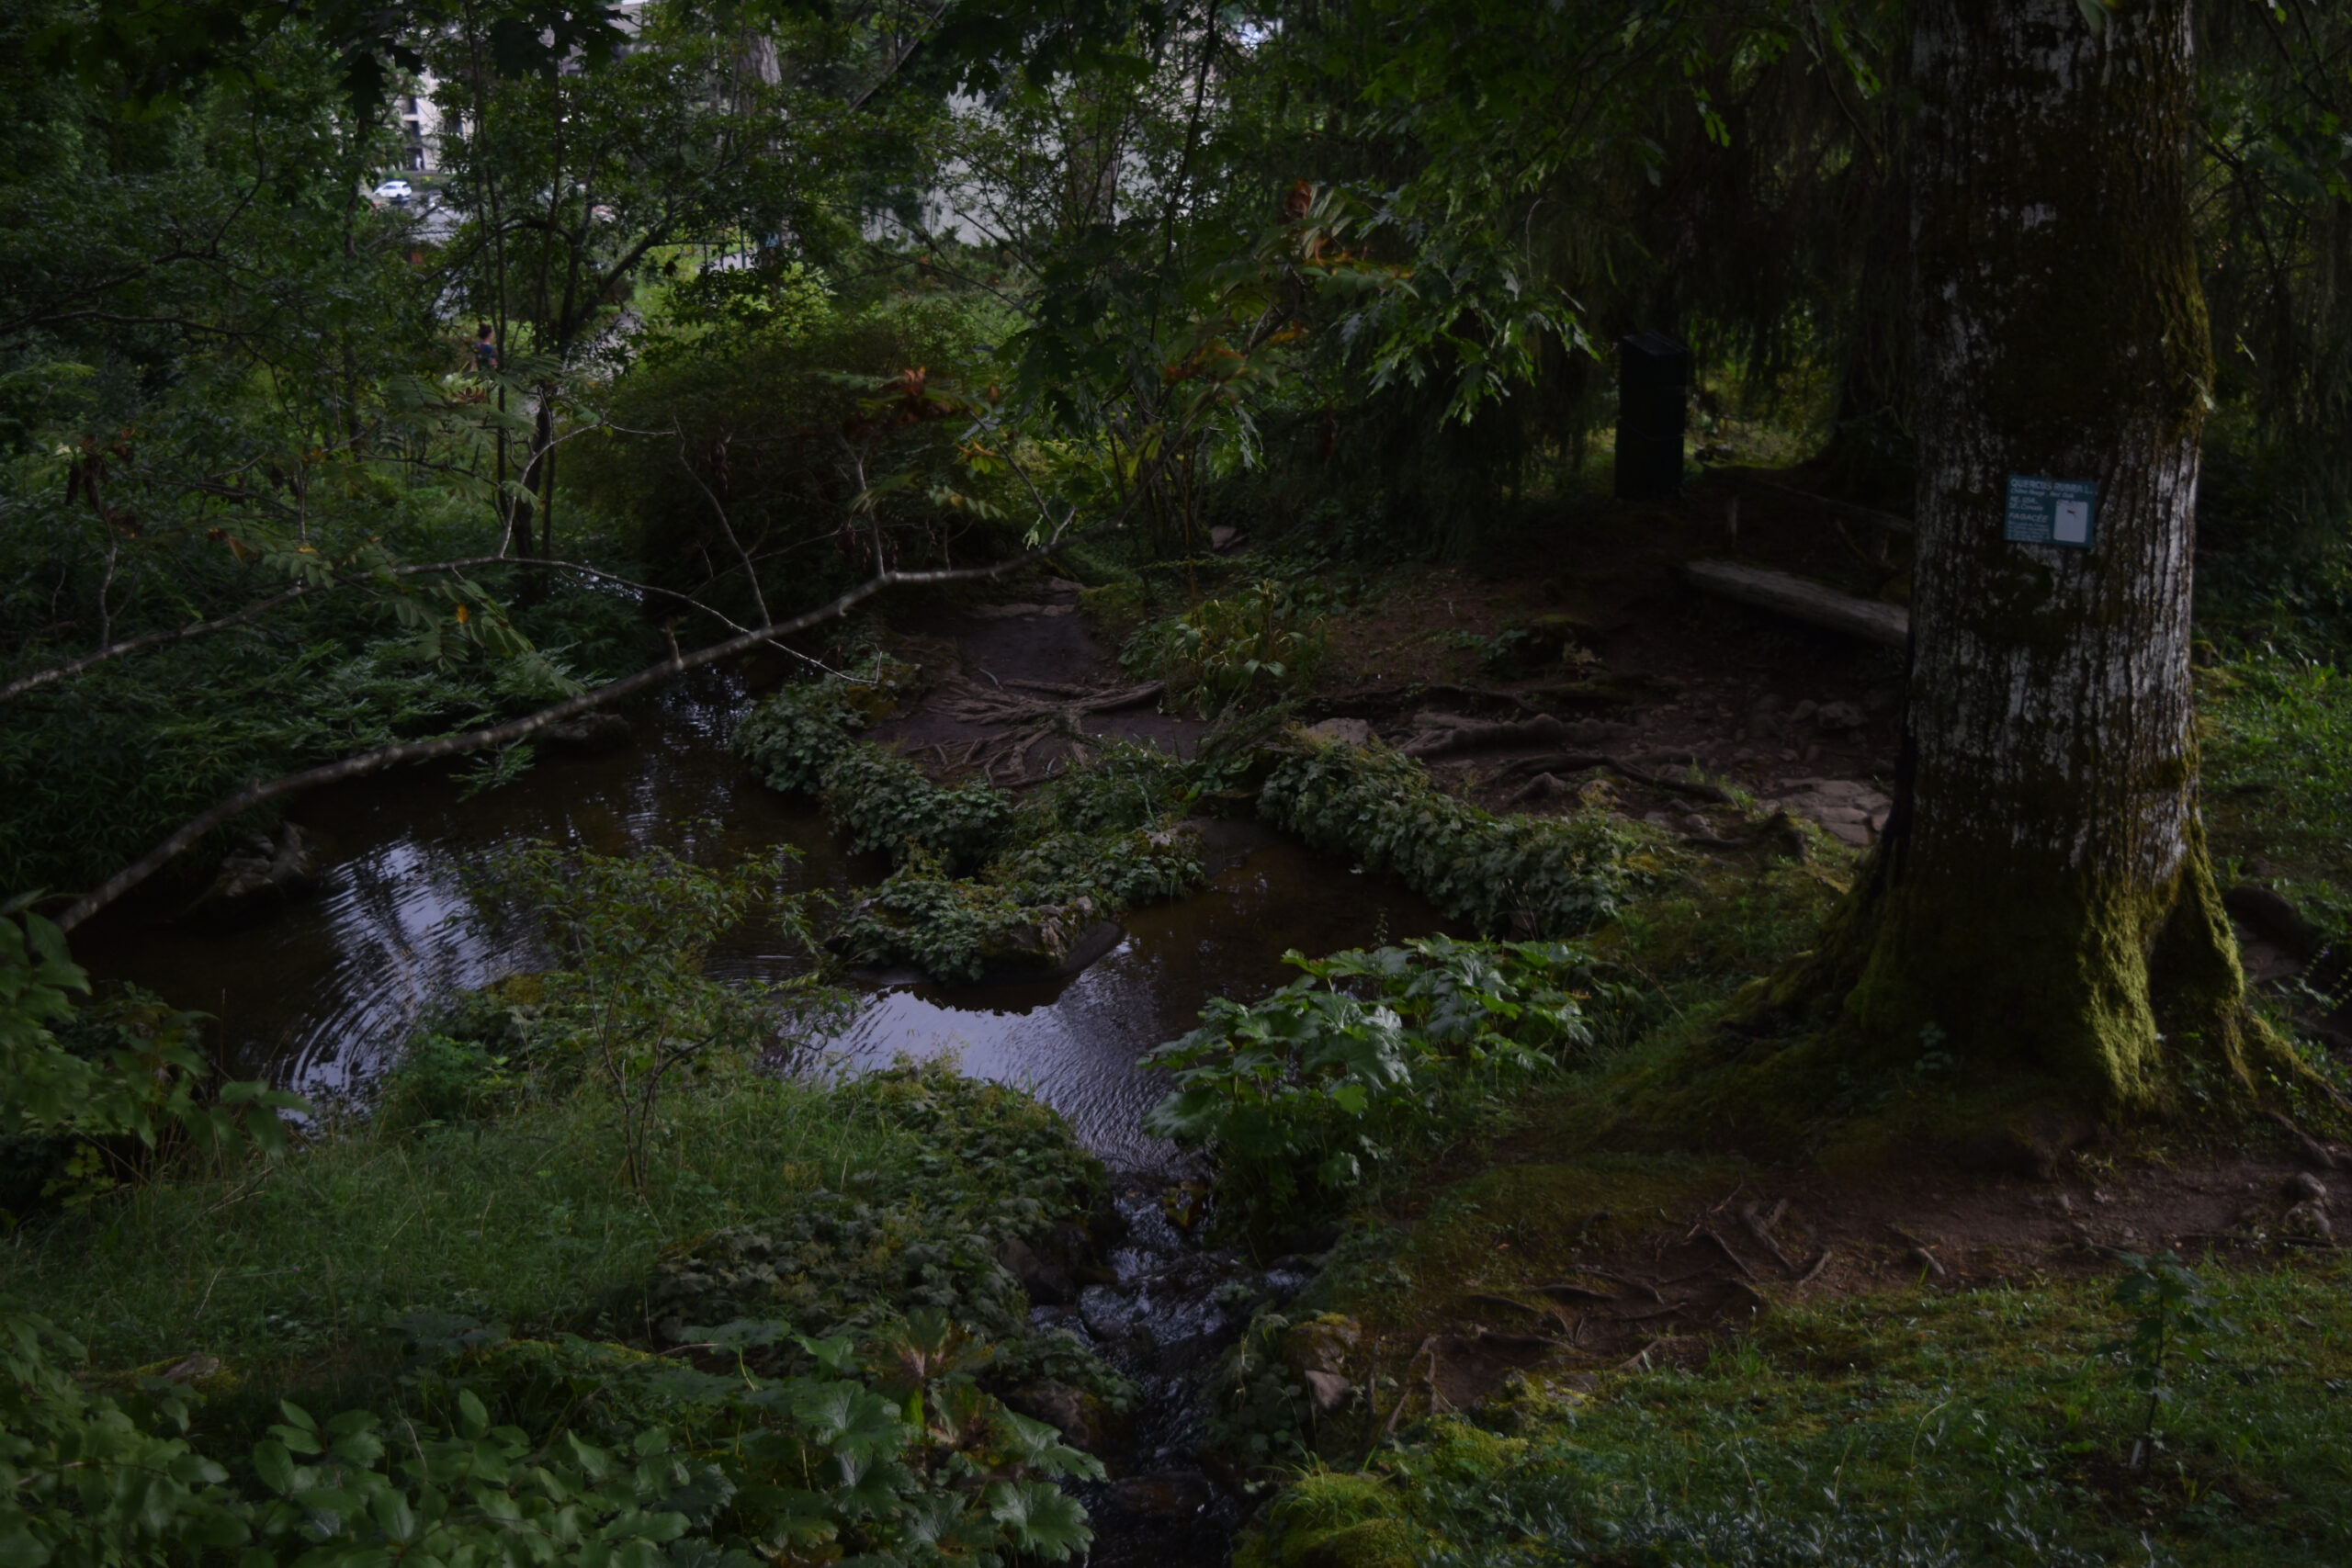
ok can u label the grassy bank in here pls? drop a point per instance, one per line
(583, 1282)
(1905, 1427)
(792, 1336)
(287, 1269)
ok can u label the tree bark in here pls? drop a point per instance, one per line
(2041, 898)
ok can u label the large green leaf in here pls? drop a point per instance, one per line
(1040, 1519)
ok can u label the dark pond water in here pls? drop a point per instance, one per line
(323, 993)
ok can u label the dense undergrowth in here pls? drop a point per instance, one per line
(1518, 875)
(2025, 1424)
(1368, 1060)
(2277, 775)
(92, 773)
(1246, 648)
(982, 885)
(585, 1283)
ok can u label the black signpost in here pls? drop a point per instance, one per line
(1652, 385)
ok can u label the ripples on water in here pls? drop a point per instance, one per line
(323, 994)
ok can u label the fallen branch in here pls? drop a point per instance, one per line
(522, 728)
(1779, 591)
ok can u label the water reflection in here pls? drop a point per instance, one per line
(323, 994)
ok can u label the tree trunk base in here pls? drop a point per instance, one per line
(2131, 1005)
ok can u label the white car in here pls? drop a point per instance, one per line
(395, 193)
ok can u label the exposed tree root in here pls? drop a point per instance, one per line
(2164, 989)
(1760, 1224)
(1572, 762)
(2316, 1154)
(1025, 723)
(1448, 734)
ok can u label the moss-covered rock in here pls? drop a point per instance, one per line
(1335, 1519)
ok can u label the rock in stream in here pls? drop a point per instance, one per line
(1168, 1308)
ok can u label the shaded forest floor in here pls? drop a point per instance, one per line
(1590, 1330)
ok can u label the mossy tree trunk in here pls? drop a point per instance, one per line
(2042, 895)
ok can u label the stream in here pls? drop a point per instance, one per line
(320, 993)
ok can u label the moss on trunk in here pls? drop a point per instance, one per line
(2042, 899)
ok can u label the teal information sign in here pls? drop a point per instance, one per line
(2052, 512)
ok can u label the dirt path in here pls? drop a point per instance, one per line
(1660, 1291)
(1805, 718)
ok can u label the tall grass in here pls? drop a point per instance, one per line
(527, 1221)
(2277, 770)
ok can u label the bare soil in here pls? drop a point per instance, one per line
(1802, 716)
(1661, 1295)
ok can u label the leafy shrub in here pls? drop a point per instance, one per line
(802, 740)
(947, 928)
(1089, 847)
(1243, 650)
(1005, 1169)
(882, 801)
(731, 1469)
(1117, 870)
(1371, 1057)
(1023, 911)
(1123, 786)
(481, 1055)
(791, 738)
(630, 1002)
(126, 1081)
(794, 421)
(2166, 1302)
(1547, 876)
(443, 1078)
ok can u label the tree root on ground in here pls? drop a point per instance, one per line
(1444, 734)
(1024, 723)
(1571, 762)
